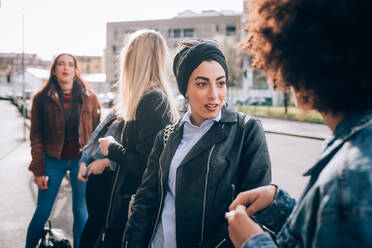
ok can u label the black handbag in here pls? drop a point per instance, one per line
(53, 237)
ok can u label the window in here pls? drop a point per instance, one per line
(230, 30)
(188, 32)
(114, 50)
(176, 33)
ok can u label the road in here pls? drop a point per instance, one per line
(291, 157)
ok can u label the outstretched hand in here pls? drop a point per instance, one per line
(241, 226)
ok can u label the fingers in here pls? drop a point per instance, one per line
(241, 226)
(82, 175)
(243, 198)
(42, 182)
(95, 168)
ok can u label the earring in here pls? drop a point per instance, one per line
(225, 102)
(185, 104)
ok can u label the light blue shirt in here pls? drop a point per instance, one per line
(165, 234)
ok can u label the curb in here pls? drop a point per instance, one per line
(295, 135)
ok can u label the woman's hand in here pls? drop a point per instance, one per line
(82, 175)
(41, 182)
(98, 166)
(256, 199)
(104, 144)
(241, 226)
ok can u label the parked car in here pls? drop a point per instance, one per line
(108, 99)
(261, 101)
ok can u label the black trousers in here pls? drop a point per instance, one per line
(97, 196)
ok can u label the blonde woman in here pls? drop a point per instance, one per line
(147, 105)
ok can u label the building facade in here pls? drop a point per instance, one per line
(186, 25)
(90, 64)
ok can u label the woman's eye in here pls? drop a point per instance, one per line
(221, 84)
(201, 84)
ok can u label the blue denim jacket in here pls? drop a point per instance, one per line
(335, 209)
(91, 150)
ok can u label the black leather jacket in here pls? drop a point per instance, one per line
(230, 158)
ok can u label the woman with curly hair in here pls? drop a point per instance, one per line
(321, 51)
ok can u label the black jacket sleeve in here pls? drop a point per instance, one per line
(254, 170)
(151, 117)
(137, 232)
(255, 165)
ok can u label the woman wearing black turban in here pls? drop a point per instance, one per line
(199, 164)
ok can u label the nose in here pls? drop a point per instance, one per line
(213, 92)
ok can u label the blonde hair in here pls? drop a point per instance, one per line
(143, 69)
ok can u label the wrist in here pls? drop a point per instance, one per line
(276, 189)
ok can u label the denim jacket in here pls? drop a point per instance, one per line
(335, 209)
(91, 150)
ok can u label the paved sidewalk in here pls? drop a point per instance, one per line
(17, 189)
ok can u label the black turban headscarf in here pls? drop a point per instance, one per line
(188, 59)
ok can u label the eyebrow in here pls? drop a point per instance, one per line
(207, 79)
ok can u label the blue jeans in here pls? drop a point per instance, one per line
(56, 169)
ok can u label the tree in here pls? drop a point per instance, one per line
(234, 57)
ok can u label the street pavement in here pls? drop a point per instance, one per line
(17, 190)
(293, 148)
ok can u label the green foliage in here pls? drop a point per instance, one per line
(234, 57)
(278, 111)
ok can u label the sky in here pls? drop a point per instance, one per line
(79, 26)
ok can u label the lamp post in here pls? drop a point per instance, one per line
(23, 78)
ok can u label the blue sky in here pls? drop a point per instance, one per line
(79, 26)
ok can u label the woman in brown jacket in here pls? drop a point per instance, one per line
(64, 113)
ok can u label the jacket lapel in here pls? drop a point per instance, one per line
(214, 135)
(169, 151)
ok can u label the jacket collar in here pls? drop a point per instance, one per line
(217, 133)
(343, 132)
(52, 93)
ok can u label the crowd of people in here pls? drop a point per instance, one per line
(147, 176)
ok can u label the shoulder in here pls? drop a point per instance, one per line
(248, 122)
(152, 97)
(231, 115)
(91, 97)
(347, 178)
(357, 153)
(152, 102)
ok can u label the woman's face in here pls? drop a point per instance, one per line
(65, 69)
(206, 91)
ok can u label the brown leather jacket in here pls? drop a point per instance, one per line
(53, 117)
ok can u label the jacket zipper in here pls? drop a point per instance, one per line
(110, 203)
(233, 192)
(205, 194)
(161, 202)
(219, 244)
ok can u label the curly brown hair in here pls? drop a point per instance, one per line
(320, 48)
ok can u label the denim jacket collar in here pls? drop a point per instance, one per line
(343, 131)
